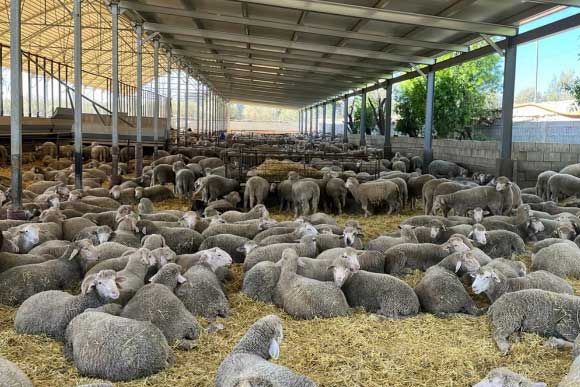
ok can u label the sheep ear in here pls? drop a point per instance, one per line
(73, 254)
(470, 234)
(181, 279)
(274, 349)
(301, 262)
(241, 249)
(458, 265)
(143, 230)
(119, 279)
(444, 228)
(154, 278)
(88, 284)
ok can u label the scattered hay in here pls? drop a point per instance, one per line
(277, 170)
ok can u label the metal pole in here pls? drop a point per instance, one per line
(505, 163)
(333, 127)
(324, 120)
(203, 129)
(363, 119)
(78, 108)
(178, 115)
(311, 119)
(168, 101)
(316, 122)
(197, 104)
(139, 112)
(115, 86)
(15, 104)
(345, 118)
(300, 121)
(186, 115)
(387, 147)
(156, 96)
(429, 105)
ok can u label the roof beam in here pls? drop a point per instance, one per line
(569, 3)
(293, 27)
(369, 54)
(281, 55)
(249, 79)
(390, 16)
(227, 84)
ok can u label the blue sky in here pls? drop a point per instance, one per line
(557, 53)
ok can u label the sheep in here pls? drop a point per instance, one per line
(153, 242)
(441, 292)
(284, 192)
(214, 257)
(257, 212)
(272, 231)
(572, 378)
(534, 310)
(106, 347)
(47, 149)
(495, 284)
(256, 191)
(247, 364)
(179, 239)
(509, 268)
(306, 229)
(461, 201)
(572, 169)
(12, 376)
(214, 187)
(260, 281)
(503, 377)
(403, 190)
(383, 243)
(549, 242)
(28, 236)
(438, 233)
(563, 185)
(431, 220)
(497, 243)
(134, 274)
(156, 303)
(192, 220)
(169, 159)
(415, 188)
(156, 193)
(240, 229)
(427, 193)
(184, 183)
(561, 259)
(145, 206)
(202, 292)
(399, 166)
(305, 197)
(374, 194)
(228, 203)
(420, 256)
(336, 191)
(21, 282)
(48, 313)
(305, 298)
(96, 234)
(10, 260)
(305, 248)
(373, 261)
(162, 174)
(441, 168)
(123, 196)
(229, 243)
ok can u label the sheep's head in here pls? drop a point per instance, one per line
(273, 187)
(145, 257)
(189, 219)
(456, 245)
(478, 234)
(351, 183)
(139, 192)
(262, 211)
(477, 214)
(502, 377)
(214, 220)
(153, 239)
(51, 214)
(168, 274)
(565, 231)
(163, 256)
(351, 234)
(105, 282)
(502, 183)
(467, 263)
(307, 239)
(74, 195)
(145, 206)
(30, 233)
(436, 229)
(84, 249)
(438, 204)
(122, 212)
(484, 280)
(215, 258)
(115, 192)
(3, 197)
(233, 197)
(307, 229)
(103, 234)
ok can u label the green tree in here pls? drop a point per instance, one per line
(526, 95)
(573, 88)
(462, 94)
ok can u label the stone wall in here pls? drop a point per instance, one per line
(530, 159)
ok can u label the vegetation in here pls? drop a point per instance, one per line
(243, 112)
(573, 88)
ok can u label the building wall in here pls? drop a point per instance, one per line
(530, 159)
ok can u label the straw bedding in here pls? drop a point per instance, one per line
(359, 350)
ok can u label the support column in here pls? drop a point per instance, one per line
(299, 121)
(345, 118)
(78, 84)
(186, 101)
(156, 96)
(363, 119)
(324, 120)
(429, 106)
(203, 102)
(168, 101)
(178, 115)
(16, 105)
(197, 104)
(311, 119)
(333, 127)
(387, 148)
(505, 162)
(209, 114)
(139, 104)
(115, 87)
(316, 122)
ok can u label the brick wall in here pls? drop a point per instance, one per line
(530, 159)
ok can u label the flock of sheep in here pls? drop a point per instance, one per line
(145, 275)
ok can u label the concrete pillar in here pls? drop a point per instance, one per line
(78, 84)
(505, 162)
(345, 118)
(333, 127)
(115, 86)
(429, 106)
(387, 148)
(139, 112)
(156, 96)
(16, 105)
(363, 121)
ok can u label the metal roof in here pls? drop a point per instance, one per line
(287, 52)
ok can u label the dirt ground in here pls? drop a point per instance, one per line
(359, 350)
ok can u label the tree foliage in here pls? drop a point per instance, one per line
(573, 88)
(463, 94)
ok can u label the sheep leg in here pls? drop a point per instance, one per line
(186, 345)
(214, 327)
(560, 344)
(472, 309)
(505, 327)
(315, 205)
